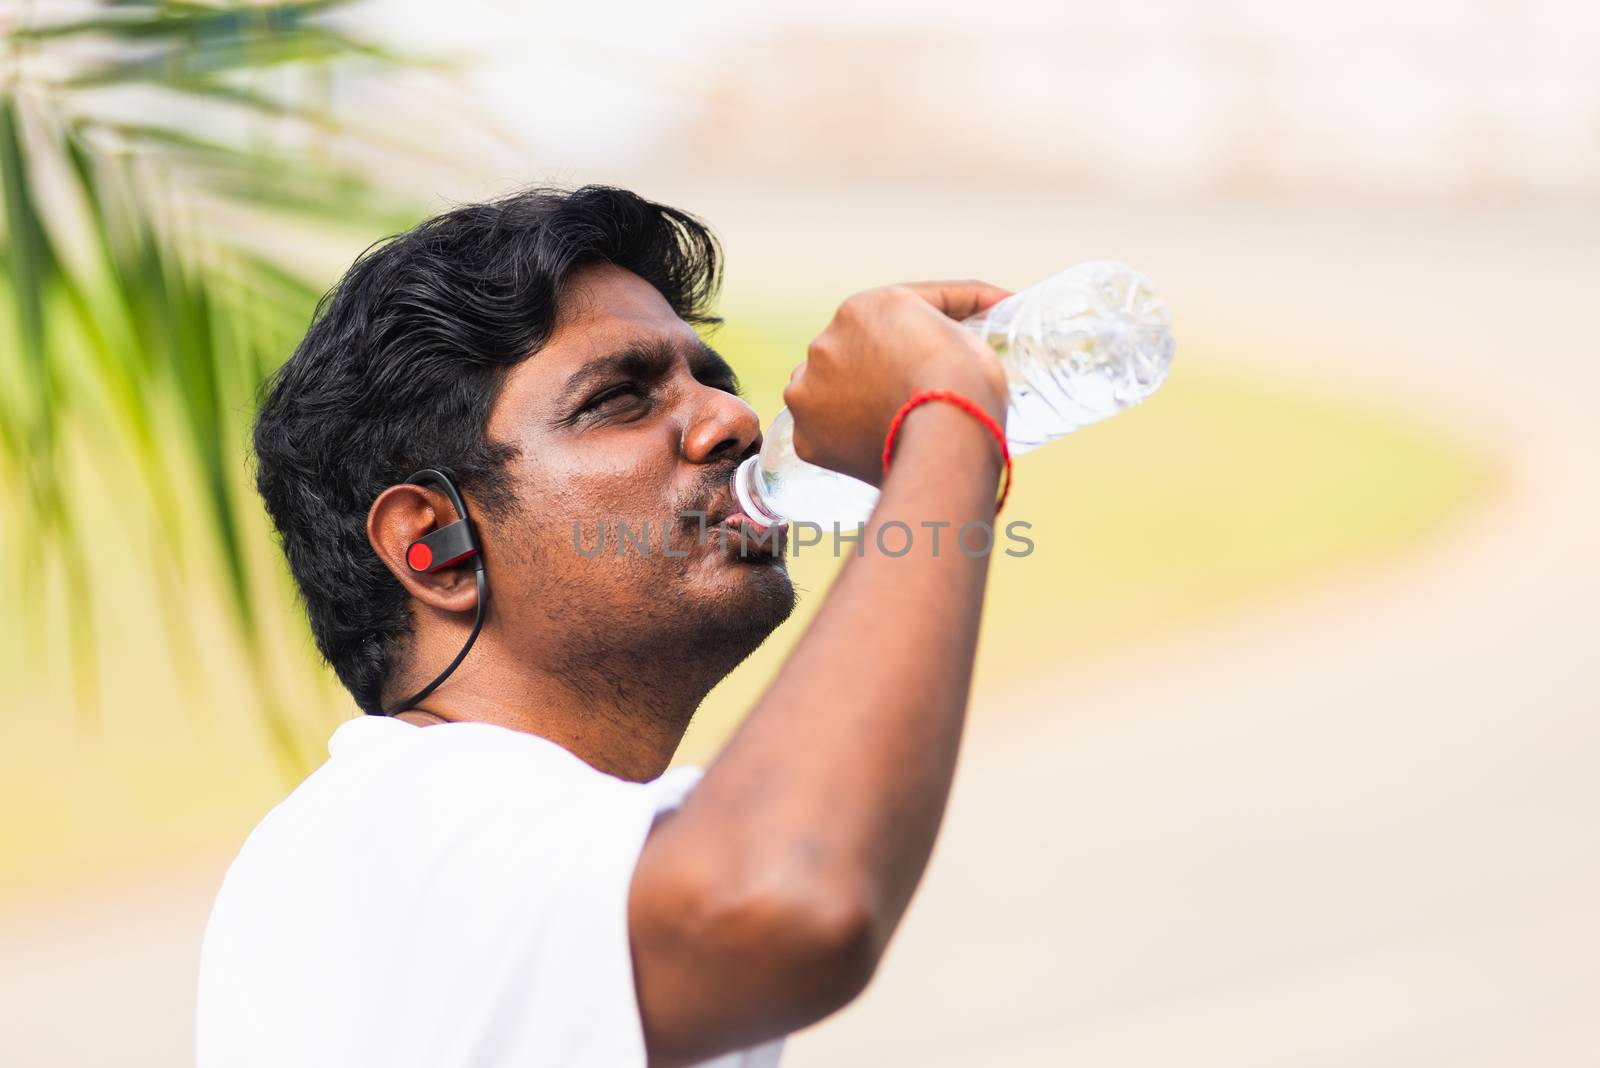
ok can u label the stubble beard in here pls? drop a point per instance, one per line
(663, 657)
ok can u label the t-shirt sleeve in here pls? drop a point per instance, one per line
(582, 999)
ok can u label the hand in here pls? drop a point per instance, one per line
(882, 346)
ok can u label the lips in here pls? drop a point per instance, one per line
(723, 511)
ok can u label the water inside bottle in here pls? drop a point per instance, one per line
(1076, 349)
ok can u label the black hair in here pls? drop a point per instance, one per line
(400, 367)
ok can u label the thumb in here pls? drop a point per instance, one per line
(959, 300)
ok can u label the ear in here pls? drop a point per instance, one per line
(405, 514)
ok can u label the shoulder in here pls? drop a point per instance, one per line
(428, 808)
(444, 785)
(385, 759)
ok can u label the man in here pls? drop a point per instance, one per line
(502, 874)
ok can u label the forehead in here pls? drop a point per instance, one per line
(601, 303)
(601, 308)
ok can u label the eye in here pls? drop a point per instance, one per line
(605, 397)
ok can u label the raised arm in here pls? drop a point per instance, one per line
(766, 901)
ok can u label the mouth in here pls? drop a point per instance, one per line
(722, 512)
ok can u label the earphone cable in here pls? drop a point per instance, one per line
(477, 625)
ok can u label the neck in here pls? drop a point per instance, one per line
(624, 716)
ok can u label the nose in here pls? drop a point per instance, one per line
(723, 427)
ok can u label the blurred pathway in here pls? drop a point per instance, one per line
(1363, 834)
(1356, 827)
(107, 978)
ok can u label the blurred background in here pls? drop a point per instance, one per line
(1284, 740)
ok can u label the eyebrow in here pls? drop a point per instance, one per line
(647, 358)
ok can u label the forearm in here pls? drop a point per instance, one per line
(765, 901)
(843, 767)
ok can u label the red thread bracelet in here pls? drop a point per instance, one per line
(965, 404)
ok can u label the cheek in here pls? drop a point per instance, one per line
(621, 474)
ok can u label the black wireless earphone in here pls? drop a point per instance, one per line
(447, 546)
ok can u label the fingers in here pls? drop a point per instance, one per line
(959, 299)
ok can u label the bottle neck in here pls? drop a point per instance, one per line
(747, 491)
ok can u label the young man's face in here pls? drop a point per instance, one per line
(626, 418)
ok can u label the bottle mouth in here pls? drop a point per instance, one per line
(744, 491)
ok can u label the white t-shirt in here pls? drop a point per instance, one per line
(438, 897)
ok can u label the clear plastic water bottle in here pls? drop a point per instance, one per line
(1078, 347)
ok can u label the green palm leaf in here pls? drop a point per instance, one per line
(156, 328)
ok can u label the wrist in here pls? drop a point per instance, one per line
(976, 375)
(975, 388)
(952, 433)
(947, 429)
